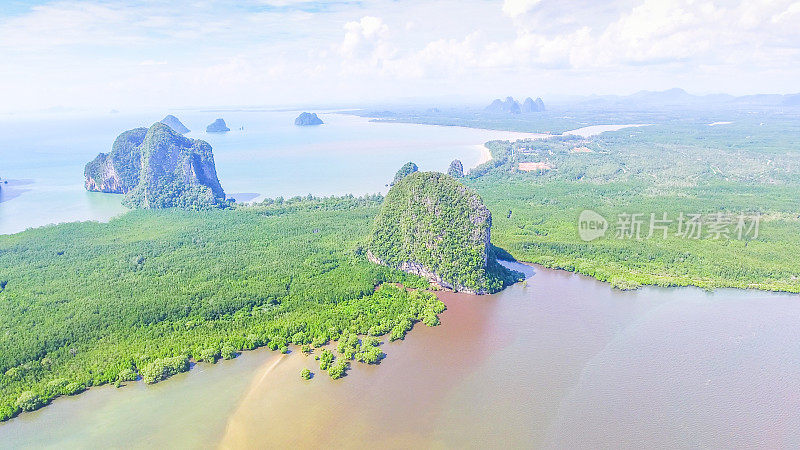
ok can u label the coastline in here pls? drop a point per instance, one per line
(485, 157)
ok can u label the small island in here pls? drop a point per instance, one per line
(218, 126)
(307, 119)
(173, 122)
(157, 168)
(432, 226)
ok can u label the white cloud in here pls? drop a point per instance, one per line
(363, 37)
(516, 8)
(95, 52)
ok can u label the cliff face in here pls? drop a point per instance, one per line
(435, 227)
(157, 168)
(117, 172)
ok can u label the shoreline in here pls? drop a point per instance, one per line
(486, 155)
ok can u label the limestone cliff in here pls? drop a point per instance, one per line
(433, 226)
(157, 168)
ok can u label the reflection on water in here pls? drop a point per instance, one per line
(563, 361)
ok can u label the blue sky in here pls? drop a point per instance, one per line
(141, 54)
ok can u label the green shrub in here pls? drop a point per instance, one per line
(127, 375)
(208, 355)
(305, 374)
(74, 388)
(163, 368)
(325, 359)
(29, 401)
(228, 352)
(338, 369)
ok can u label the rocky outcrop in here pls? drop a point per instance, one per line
(307, 119)
(433, 226)
(157, 168)
(173, 122)
(218, 126)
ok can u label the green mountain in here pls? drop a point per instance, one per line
(435, 227)
(157, 168)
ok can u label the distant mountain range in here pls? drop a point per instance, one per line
(511, 106)
(679, 97)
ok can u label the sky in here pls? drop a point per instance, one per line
(125, 54)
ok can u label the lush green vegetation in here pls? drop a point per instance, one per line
(751, 166)
(84, 304)
(433, 225)
(305, 374)
(339, 369)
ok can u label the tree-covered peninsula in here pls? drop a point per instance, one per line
(157, 168)
(435, 227)
(154, 291)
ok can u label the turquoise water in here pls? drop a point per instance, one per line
(44, 158)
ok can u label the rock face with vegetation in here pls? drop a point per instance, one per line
(218, 126)
(157, 168)
(306, 119)
(433, 226)
(173, 122)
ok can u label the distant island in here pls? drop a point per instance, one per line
(306, 119)
(218, 126)
(173, 122)
(432, 226)
(157, 168)
(511, 106)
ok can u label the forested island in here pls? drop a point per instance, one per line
(218, 126)
(307, 119)
(157, 168)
